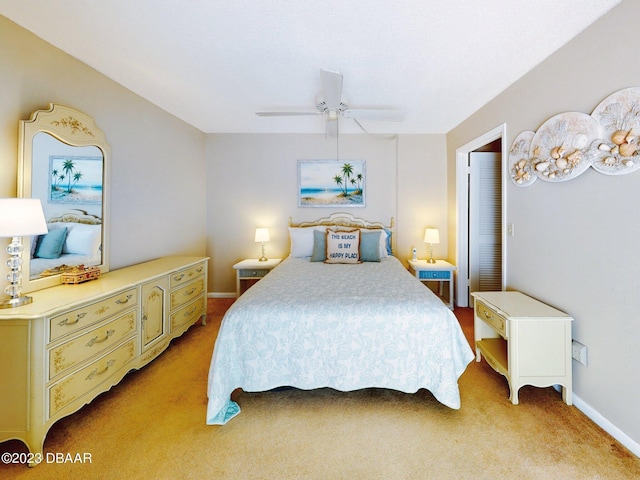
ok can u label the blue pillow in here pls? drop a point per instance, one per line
(50, 245)
(389, 249)
(370, 246)
(319, 253)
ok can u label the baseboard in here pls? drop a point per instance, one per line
(606, 425)
(221, 295)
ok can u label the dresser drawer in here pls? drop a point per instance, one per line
(186, 275)
(81, 317)
(498, 322)
(189, 314)
(252, 273)
(100, 338)
(187, 293)
(68, 389)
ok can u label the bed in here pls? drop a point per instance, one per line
(314, 323)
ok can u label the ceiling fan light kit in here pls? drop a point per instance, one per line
(332, 103)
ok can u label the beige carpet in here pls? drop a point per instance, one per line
(152, 426)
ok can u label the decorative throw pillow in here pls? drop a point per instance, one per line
(370, 246)
(319, 246)
(50, 245)
(343, 246)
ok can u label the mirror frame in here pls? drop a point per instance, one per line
(74, 128)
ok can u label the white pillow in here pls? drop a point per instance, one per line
(83, 240)
(301, 241)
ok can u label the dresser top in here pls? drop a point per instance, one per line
(53, 298)
(518, 305)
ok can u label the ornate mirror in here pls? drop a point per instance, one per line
(64, 161)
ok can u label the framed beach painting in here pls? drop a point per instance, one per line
(75, 179)
(331, 183)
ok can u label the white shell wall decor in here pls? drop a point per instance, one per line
(520, 168)
(567, 144)
(617, 152)
(559, 147)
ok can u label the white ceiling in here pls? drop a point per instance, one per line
(213, 63)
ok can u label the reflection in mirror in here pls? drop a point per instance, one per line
(68, 181)
(64, 164)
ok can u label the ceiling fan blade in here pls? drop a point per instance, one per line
(331, 87)
(286, 114)
(380, 114)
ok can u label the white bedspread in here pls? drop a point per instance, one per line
(310, 325)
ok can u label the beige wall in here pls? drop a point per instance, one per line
(252, 182)
(158, 187)
(576, 242)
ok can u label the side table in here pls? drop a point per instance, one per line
(440, 271)
(251, 270)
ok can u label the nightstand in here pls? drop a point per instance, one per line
(251, 270)
(440, 271)
(523, 339)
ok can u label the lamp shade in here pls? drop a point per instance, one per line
(432, 236)
(262, 235)
(21, 217)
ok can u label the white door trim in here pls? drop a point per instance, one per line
(462, 208)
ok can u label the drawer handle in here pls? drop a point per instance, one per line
(199, 269)
(101, 372)
(67, 322)
(486, 314)
(190, 292)
(189, 313)
(122, 301)
(178, 277)
(95, 340)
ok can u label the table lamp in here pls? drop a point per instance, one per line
(19, 217)
(431, 236)
(262, 236)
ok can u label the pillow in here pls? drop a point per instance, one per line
(385, 240)
(370, 246)
(319, 253)
(301, 241)
(343, 246)
(50, 245)
(83, 240)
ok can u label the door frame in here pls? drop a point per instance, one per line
(462, 208)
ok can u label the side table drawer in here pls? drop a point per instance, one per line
(489, 316)
(252, 273)
(434, 275)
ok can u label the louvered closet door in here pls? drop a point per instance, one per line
(485, 210)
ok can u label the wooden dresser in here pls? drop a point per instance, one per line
(77, 341)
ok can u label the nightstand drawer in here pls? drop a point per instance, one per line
(434, 275)
(252, 273)
(492, 318)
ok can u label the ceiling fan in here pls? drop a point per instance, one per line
(332, 103)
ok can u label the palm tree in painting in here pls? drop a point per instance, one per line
(347, 171)
(338, 180)
(67, 168)
(76, 178)
(359, 184)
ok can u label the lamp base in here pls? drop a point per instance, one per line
(15, 301)
(263, 259)
(431, 260)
